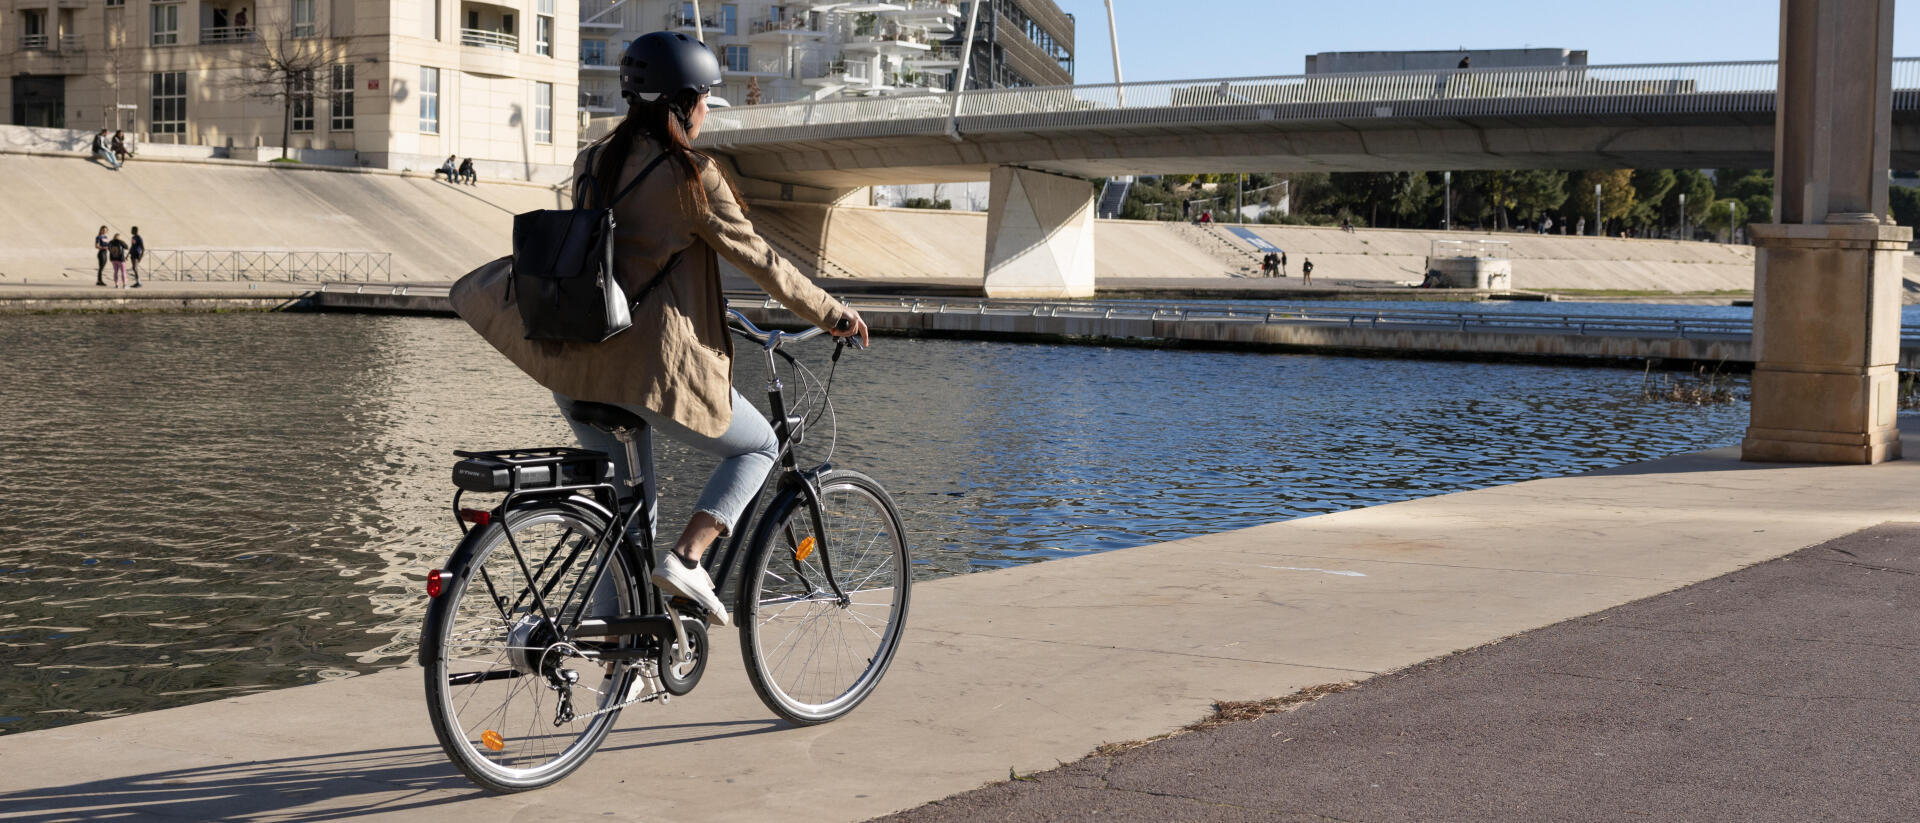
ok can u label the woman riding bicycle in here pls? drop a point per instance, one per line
(674, 367)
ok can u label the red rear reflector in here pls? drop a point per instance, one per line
(434, 585)
(478, 517)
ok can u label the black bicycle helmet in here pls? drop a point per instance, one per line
(668, 65)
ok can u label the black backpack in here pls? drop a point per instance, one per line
(563, 269)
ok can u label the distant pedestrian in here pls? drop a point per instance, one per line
(240, 19)
(1306, 272)
(1580, 227)
(1346, 225)
(1546, 224)
(451, 169)
(100, 257)
(1268, 263)
(1283, 264)
(103, 149)
(121, 147)
(1466, 62)
(117, 252)
(136, 250)
(466, 173)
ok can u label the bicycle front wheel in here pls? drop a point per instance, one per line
(515, 703)
(811, 653)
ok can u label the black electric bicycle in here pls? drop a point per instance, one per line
(544, 625)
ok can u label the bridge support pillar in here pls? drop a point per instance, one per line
(1039, 235)
(1828, 275)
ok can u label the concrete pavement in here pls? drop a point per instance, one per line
(1016, 669)
(1781, 692)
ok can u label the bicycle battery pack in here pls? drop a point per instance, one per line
(530, 469)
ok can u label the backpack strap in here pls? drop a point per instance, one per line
(636, 180)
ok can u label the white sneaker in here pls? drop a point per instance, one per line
(691, 582)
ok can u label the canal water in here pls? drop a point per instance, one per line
(197, 506)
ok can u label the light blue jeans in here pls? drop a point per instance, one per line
(747, 450)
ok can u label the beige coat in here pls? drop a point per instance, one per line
(677, 359)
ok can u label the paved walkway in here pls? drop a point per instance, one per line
(1017, 669)
(1781, 692)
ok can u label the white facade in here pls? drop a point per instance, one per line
(786, 50)
(404, 83)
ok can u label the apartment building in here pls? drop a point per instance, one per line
(382, 83)
(776, 52)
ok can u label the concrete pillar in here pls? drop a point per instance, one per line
(1827, 275)
(1039, 235)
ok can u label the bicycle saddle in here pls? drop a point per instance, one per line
(605, 416)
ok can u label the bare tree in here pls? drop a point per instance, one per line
(287, 66)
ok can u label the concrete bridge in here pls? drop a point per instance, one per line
(1038, 144)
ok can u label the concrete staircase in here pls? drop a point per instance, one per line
(1113, 197)
(1239, 261)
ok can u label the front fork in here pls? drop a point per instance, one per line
(788, 432)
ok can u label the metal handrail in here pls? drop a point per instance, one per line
(1656, 88)
(766, 25)
(484, 39)
(228, 264)
(1315, 315)
(34, 42)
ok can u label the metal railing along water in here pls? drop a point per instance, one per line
(1663, 88)
(1309, 314)
(221, 264)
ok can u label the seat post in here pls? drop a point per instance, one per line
(625, 436)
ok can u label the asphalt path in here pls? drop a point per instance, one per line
(1786, 691)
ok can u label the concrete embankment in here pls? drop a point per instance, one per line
(1020, 668)
(436, 232)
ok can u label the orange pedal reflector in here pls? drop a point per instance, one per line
(491, 739)
(805, 548)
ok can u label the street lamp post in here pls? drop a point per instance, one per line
(1597, 231)
(1446, 221)
(1683, 215)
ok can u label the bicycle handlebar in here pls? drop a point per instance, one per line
(772, 339)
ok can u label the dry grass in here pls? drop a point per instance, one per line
(1701, 388)
(1232, 711)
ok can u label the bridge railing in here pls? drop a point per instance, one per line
(1659, 88)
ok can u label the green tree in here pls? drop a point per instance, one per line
(1906, 204)
(1698, 188)
(1616, 194)
(1650, 187)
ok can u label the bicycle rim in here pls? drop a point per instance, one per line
(812, 658)
(515, 706)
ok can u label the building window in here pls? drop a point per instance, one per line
(729, 13)
(303, 18)
(593, 52)
(341, 97)
(165, 18)
(169, 104)
(736, 58)
(301, 101)
(543, 112)
(543, 29)
(114, 3)
(429, 100)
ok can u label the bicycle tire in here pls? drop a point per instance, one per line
(869, 547)
(485, 641)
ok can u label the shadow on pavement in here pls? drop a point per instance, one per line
(333, 786)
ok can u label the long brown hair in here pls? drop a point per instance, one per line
(661, 122)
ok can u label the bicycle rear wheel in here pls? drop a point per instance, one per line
(515, 704)
(813, 656)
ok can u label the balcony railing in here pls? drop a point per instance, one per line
(65, 43)
(72, 42)
(227, 34)
(593, 100)
(892, 32)
(35, 42)
(796, 25)
(483, 39)
(682, 20)
(602, 13)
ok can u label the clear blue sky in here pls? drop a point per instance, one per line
(1190, 39)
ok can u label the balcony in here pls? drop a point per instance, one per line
(889, 38)
(763, 67)
(785, 28)
(600, 14)
(227, 34)
(681, 21)
(599, 103)
(52, 54)
(937, 57)
(483, 39)
(36, 42)
(598, 64)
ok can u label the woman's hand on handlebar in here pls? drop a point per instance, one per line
(850, 326)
